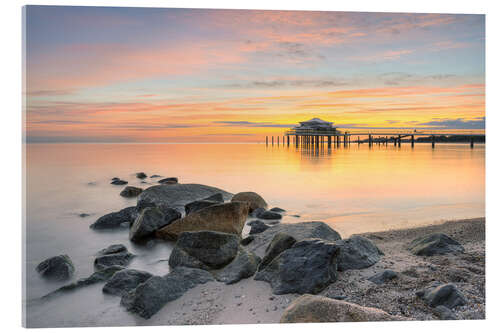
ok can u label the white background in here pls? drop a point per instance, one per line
(11, 157)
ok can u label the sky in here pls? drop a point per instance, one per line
(111, 74)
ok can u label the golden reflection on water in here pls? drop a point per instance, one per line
(354, 188)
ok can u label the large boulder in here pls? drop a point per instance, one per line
(149, 297)
(357, 252)
(280, 243)
(177, 195)
(150, 220)
(255, 200)
(198, 204)
(227, 218)
(116, 219)
(299, 231)
(124, 281)
(204, 249)
(319, 309)
(309, 266)
(445, 294)
(434, 244)
(113, 256)
(130, 192)
(243, 266)
(56, 268)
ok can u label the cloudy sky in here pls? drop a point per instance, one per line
(97, 74)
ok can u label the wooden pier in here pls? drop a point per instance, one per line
(336, 138)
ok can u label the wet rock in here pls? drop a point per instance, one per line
(280, 243)
(119, 182)
(130, 192)
(149, 297)
(247, 240)
(176, 195)
(96, 277)
(83, 215)
(357, 252)
(319, 309)
(443, 313)
(258, 227)
(204, 249)
(227, 218)
(435, 244)
(256, 212)
(383, 277)
(115, 248)
(115, 219)
(446, 294)
(308, 266)
(299, 231)
(268, 215)
(197, 205)
(124, 281)
(169, 180)
(217, 197)
(141, 175)
(155, 176)
(116, 258)
(277, 210)
(255, 200)
(243, 266)
(56, 268)
(150, 220)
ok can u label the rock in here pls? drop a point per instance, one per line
(115, 248)
(56, 268)
(204, 249)
(280, 243)
(169, 180)
(115, 178)
(247, 240)
(150, 220)
(243, 266)
(383, 277)
(308, 266)
(155, 176)
(258, 227)
(197, 205)
(119, 182)
(217, 197)
(226, 217)
(141, 175)
(149, 297)
(124, 281)
(277, 210)
(176, 195)
(96, 277)
(446, 294)
(357, 252)
(116, 258)
(268, 215)
(255, 200)
(256, 212)
(299, 231)
(434, 244)
(115, 219)
(319, 309)
(130, 192)
(83, 215)
(443, 313)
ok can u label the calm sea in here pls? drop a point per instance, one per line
(354, 189)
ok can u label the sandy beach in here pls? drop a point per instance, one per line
(250, 301)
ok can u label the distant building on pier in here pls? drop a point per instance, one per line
(314, 126)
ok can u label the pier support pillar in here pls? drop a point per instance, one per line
(359, 141)
(399, 140)
(412, 141)
(329, 141)
(278, 140)
(370, 140)
(267, 141)
(433, 141)
(288, 140)
(472, 142)
(272, 140)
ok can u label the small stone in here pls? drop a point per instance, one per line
(141, 175)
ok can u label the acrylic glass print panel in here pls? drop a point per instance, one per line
(197, 166)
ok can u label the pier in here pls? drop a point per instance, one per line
(317, 132)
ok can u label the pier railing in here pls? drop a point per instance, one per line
(314, 132)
